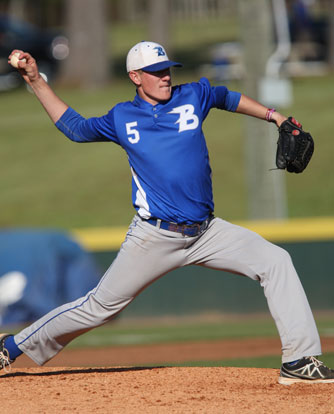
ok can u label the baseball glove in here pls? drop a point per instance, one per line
(294, 146)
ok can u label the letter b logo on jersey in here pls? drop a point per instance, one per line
(188, 119)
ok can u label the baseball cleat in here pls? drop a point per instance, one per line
(307, 370)
(5, 361)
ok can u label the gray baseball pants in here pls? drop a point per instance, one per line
(149, 253)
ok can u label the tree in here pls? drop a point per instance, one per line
(266, 189)
(158, 22)
(86, 28)
(331, 34)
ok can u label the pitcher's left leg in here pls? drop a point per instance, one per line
(232, 248)
(145, 255)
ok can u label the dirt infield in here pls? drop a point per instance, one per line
(89, 381)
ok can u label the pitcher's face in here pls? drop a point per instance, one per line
(153, 87)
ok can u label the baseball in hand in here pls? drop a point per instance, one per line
(14, 60)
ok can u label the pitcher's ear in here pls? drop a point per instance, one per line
(135, 77)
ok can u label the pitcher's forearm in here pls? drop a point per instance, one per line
(52, 104)
(249, 106)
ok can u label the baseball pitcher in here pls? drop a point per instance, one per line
(174, 225)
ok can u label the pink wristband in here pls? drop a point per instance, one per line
(269, 114)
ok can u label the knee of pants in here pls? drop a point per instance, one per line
(277, 262)
(104, 310)
(281, 256)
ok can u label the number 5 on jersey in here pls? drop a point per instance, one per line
(132, 132)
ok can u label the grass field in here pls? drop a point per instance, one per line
(177, 330)
(259, 362)
(126, 333)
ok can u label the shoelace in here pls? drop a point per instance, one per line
(5, 361)
(316, 362)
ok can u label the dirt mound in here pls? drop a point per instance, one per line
(159, 390)
(133, 388)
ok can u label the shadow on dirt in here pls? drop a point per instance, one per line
(77, 371)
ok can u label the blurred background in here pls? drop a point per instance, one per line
(279, 52)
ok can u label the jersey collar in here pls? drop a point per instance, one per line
(141, 103)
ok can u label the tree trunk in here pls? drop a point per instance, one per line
(266, 189)
(158, 21)
(331, 35)
(86, 27)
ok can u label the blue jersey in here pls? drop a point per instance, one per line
(166, 148)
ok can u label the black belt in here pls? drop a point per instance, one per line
(186, 229)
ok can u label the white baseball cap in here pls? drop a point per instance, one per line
(148, 56)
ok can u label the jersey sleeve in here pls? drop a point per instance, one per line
(216, 96)
(80, 129)
(226, 99)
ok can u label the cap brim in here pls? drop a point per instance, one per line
(161, 66)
